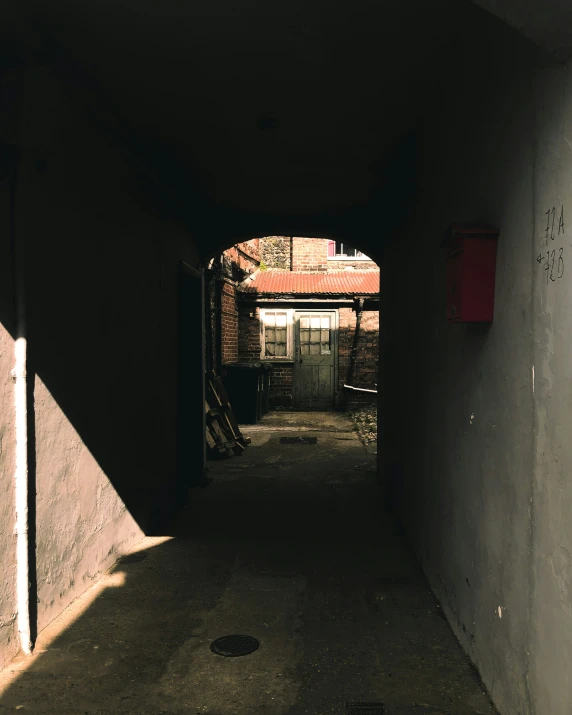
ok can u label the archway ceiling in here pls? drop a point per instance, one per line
(253, 109)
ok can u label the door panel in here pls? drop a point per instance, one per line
(314, 367)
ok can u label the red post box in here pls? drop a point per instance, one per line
(470, 269)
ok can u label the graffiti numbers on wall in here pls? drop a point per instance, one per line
(553, 263)
(552, 258)
(551, 224)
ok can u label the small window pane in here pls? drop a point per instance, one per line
(305, 349)
(314, 348)
(304, 336)
(315, 321)
(325, 321)
(276, 333)
(314, 336)
(326, 336)
(304, 322)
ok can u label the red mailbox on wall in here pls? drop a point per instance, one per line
(470, 266)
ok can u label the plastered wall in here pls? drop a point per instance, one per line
(477, 418)
(8, 608)
(550, 644)
(101, 259)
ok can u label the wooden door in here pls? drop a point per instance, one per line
(315, 352)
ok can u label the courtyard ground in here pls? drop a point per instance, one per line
(291, 544)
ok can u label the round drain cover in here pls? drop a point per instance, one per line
(233, 646)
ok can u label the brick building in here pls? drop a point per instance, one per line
(293, 303)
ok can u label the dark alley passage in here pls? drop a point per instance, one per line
(292, 544)
(295, 206)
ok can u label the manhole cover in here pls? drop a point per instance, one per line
(298, 440)
(365, 709)
(234, 646)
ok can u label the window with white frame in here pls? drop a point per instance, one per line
(341, 251)
(276, 328)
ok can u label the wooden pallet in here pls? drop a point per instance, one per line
(223, 433)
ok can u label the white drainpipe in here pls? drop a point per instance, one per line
(19, 376)
(359, 389)
(21, 493)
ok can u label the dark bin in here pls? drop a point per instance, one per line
(247, 386)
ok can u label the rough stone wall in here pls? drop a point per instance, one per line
(367, 356)
(309, 254)
(276, 252)
(229, 323)
(101, 265)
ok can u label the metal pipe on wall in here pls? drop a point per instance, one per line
(359, 312)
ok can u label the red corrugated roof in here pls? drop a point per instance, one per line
(342, 282)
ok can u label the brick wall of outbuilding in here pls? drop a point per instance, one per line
(367, 357)
(281, 380)
(241, 259)
(229, 323)
(226, 271)
(281, 374)
(248, 333)
(309, 254)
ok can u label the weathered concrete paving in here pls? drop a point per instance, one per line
(290, 544)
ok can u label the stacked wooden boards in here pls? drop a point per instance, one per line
(223, 434)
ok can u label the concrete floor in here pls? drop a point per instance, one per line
(291, 544)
